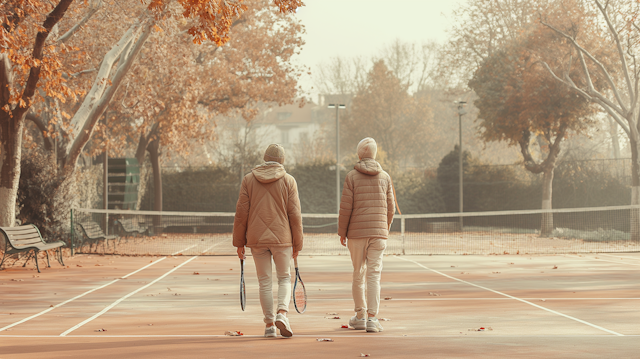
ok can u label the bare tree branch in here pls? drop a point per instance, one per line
(94, 6)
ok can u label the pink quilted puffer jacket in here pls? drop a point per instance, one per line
(367, 205)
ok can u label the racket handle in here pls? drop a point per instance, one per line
(295, 262)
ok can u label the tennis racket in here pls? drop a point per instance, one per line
(299, 292)
(243, 292)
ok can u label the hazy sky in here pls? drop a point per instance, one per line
(362, 27)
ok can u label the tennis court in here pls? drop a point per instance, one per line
(567, 305)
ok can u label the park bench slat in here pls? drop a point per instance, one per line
(17, 237)
(20, 230)
(26, 243)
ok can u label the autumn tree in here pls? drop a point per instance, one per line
(523, 106)
(171, 102)
(385, 111)
(615, 60)
(22, 67)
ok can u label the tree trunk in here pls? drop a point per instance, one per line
(546, 227)
(615, 143)
(635, 190)
(154, 156)
(11, 139)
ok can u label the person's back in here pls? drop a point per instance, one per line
(268, 220)
(366, 212)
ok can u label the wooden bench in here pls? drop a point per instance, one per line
(28, 238)
(131, 227)
(93, 233)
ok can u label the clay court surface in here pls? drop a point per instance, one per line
(181, 306)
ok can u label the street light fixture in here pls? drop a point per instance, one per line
(461, 111)
(337, 107)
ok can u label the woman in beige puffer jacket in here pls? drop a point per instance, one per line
(366, 212)
(268, 220)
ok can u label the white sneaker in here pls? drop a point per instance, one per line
(270, 332)
(373, 325)
(357, 323)
(282, 323)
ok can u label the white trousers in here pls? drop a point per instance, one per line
(366, 256)
(282, 258)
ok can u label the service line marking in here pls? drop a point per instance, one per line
(515, 298)
(78, 296)
(614, 256)
(602, 260)
(65, 333)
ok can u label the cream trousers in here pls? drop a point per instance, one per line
(366, 256)
(282, 259)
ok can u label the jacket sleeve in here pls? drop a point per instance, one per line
(295, 216)
(346, 207)
(391, 203)
(242, 216)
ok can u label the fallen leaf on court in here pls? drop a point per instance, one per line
(169, 289)
(453, 266)
(434, 294)
(230, 268)
(388, 298)
(51, 306)
(364, 355)
(150, 324)
(100, 330)
(495, 272)
(17, 280)
(511, 263)
(385, 319)
(98, 265)
(332, 317)
(544, 300)
(345, 326)
(481, 329)
(196, 273)
(235, 333)
(324, 339)
(555, 267)
(77, 265)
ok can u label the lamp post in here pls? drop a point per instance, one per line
(461, 112)
(337, 107)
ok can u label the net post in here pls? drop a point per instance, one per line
(71, 239)
(402, 232)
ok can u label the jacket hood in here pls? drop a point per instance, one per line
(368, 166)
(269, 172)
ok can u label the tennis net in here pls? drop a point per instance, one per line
(576, 230)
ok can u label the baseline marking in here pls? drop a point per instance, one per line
(129, 295)
(78, 296)
(515, 298)
(386, 336)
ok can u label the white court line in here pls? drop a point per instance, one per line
(611, 255)
(602, 260)
(515, 298)
(174, 253)
(374, 337)
(76, 297)
(130, 294)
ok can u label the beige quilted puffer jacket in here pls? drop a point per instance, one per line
(268, 209)
(367, 204)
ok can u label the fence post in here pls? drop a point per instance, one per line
(402, 232)
(71, 240)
